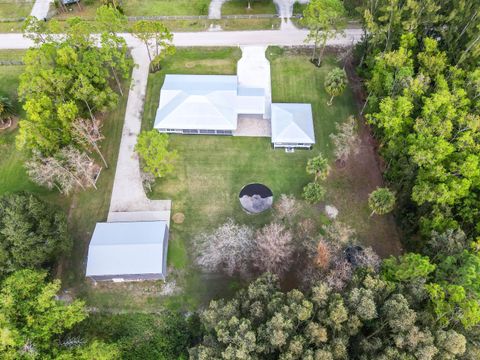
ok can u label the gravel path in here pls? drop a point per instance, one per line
(40, 9)
(215, 9)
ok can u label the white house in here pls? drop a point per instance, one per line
(292, 126)
(128, 251)
(211, 104)
(205, 104)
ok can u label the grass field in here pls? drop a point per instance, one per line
(211, 170)
(240, 7)
(15, 9)
(143, 8)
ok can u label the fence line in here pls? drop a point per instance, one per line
(11, 62)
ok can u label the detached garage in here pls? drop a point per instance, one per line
(292, 126)
(128, 251)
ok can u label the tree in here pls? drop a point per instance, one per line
(227, 249)
(381, 201)
(87, 133)
(157, 39)
(162, 335)
(152, 147)
(32, 233)
(345, 140)
(335, 83)
(274, 249)
(313, 192)
(325, 20)
(287, 207)
(32, 318)
(369, 319)
(66, 170)
(6, 111)
(318, 166)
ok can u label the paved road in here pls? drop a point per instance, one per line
(289, 37)
(40, 9)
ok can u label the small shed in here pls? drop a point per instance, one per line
(128, 251)
(292, 126)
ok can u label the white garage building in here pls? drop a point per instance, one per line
(292, 126)
(128, 251)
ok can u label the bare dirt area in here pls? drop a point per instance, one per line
(353, 181)
(351, 184)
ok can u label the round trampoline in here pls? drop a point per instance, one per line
(256, 198)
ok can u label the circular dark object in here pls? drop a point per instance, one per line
(256, 189)
(256, 198)
(352, 252)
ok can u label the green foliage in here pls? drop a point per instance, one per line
(407, 268)
(162, 336)
(318, 166)
(32, 233)
(157, 38)
(32, 320)
(6, 108)
(335, 83)
(325, 20)
(422, 80)
(369, 320)
(381, 201)
(157, 159)
(68, 77)
(313, 192)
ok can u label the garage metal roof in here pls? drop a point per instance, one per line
(292, 123)
(127, 248)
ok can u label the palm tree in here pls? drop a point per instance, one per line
(6, 110)
(335, 83)
(381, 201)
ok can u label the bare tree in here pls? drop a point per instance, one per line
(339, 274)
(80, 164)
(339, 234)
(66, 170)
(323, 255)
(287, 207)
(345, 140)
(274, 249)
(228, 249)
(87, 133)
(367, 258)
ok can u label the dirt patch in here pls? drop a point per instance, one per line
(178, 218)
(352, 182)
(10, 125)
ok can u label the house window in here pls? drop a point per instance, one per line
(189, 131)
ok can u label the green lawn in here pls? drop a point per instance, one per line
(10, 9)
(143, 8)
(240, 7)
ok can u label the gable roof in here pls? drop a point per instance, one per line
(198, 102)
(127, 248)
(292, 123)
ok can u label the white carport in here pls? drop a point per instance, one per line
(128, 251)
(292, 126)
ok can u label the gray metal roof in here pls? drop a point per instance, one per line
(292, 123)
(205, 102)
(127, 248)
